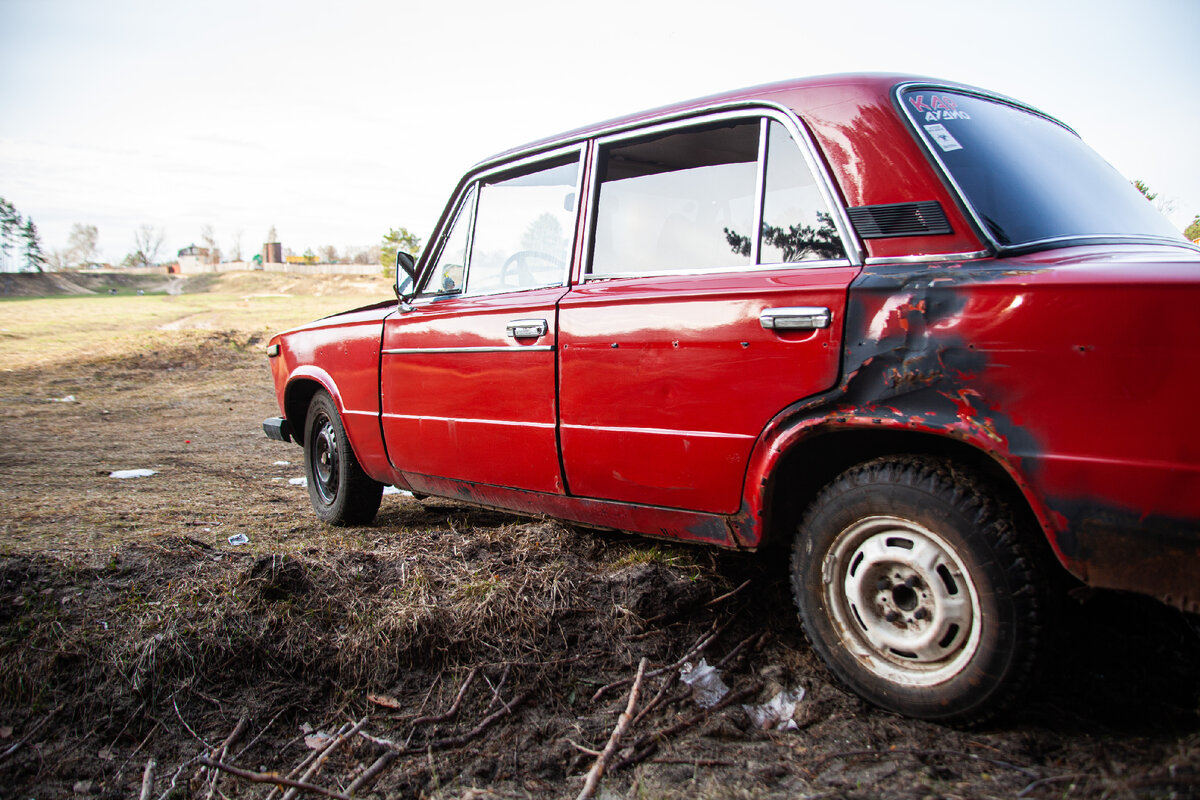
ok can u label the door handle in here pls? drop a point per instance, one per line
(799, 318)
(527, 328)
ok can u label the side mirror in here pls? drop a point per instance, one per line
(406, 274)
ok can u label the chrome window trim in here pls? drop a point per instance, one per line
(476, 177)
(745, 110)
(928, 258)
(841, 262)
(515, 348)
(430, 257)
(976, 220)
(760, 191)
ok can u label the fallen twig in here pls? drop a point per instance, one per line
(727, 595)
(699, 647)
(597, 770)
(220, 753)
(453, 710)
(326, 752)
(369, 776)
(15, 746)
(272, 777)
(148, 780)
(311, 757)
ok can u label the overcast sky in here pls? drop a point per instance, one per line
(336, 121)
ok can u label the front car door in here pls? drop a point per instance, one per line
(713, 298)
(468, 369)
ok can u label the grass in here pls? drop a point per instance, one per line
(46, 330)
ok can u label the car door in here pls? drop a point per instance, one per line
(467, 378)
(712, 299)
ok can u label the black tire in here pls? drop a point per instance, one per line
(341, 493)
(913, 587)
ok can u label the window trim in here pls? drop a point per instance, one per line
(474, 181)
(764, 114)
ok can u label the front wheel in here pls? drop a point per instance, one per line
(340, 492)
(913, 587)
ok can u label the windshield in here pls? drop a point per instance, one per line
(1028, 178)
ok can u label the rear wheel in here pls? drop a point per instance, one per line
(914, 588)
(341, 493)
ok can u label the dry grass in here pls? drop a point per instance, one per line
(129, 625)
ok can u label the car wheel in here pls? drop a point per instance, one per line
(913, 587)
(341, 493)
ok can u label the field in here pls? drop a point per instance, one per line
(443, 651)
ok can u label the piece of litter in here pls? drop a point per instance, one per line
(394, 490)
(776, 713)
(384, 700)
(317, 741)
(706, 683)
(282, 464)
(132, 473)
(239, 538)
(298, 481)
(68, 399)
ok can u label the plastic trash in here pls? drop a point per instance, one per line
(239, 538)
(298, 481)
(776, 713)
(132, 473)
(394, 490)
(706, 683)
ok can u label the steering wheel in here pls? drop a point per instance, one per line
(519, 271)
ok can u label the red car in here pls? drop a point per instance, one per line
(918, 330)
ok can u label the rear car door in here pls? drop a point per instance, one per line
(468, 367)
(713, 297)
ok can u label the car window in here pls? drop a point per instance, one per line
(450, 269)
(524, 228)
(688, 200)
(677, 200)
(796, 222)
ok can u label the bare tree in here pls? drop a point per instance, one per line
(328, 254)
(147, 241)
(210, 243)
(83, 244)
(235, 251)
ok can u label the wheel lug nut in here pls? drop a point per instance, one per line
(912, 581)
(883, 585)
(921, 613)
(892, 616)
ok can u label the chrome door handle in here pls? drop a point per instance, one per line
(527, 328)
(799, 318)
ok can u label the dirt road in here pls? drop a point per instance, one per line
(484, 655)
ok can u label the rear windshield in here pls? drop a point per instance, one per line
(1028, 178)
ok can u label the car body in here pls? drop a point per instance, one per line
(915, 315)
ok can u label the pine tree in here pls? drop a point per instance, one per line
(35, 259)
(10, 229)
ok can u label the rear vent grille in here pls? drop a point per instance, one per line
(900, 219)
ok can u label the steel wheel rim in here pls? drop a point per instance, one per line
(902, 601)
(325, 460)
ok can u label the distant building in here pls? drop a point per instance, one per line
(195, 259)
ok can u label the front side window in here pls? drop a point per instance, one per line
(1027, 178)
(694, 200)
(450, 269)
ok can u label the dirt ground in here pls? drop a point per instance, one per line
(463, 653)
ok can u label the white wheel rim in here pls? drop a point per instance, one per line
(902, 601)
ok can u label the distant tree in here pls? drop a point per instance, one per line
(394, 240)
(235, 250)
(147, 241)
(83, 244)
(1193, 231)
(35, 259)
(10, 231)
(210, 243)
(309, 256)
(272, 236)
(1145, 190)
(328, 254)
(365, 255)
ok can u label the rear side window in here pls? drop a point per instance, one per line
(1028, 178)
(693, 199)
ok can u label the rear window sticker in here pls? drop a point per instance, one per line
(943, 138)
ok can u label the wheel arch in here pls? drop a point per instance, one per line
(811, 457)
(301, 388)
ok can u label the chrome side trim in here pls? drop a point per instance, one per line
(719, 270)
(501, 422)
(537, 348)
(660, 432)
(924, 259)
